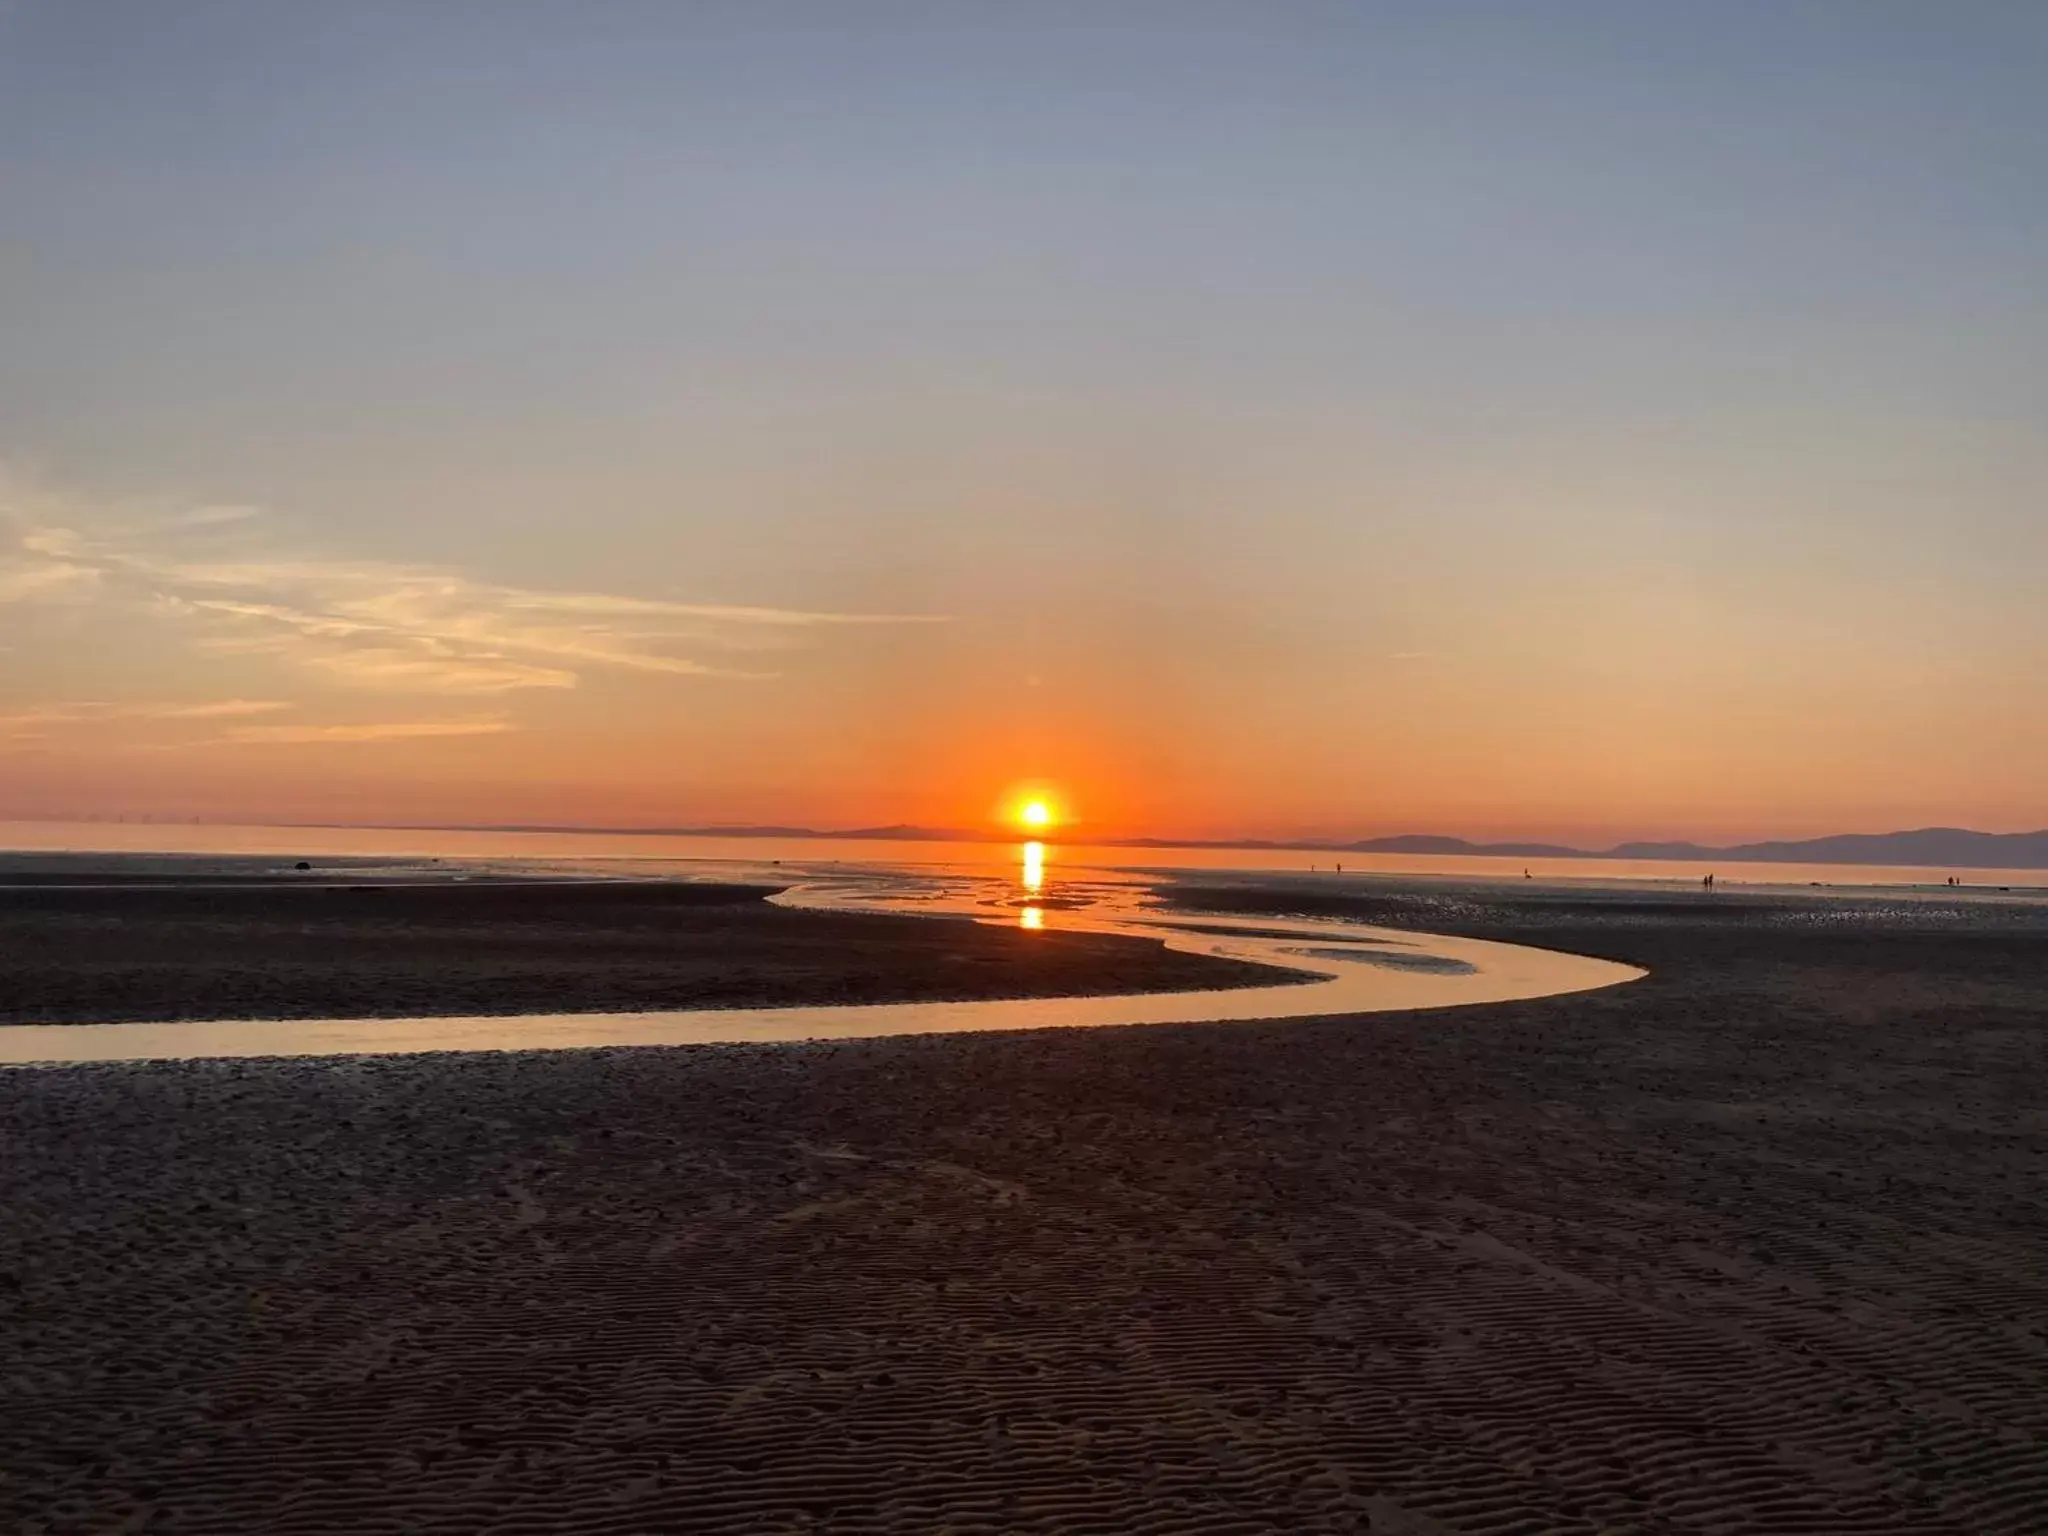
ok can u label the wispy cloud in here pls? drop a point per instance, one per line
(224, 709)
(39, 721)
(45, 580)
(377, 625)
(50, 723)
(213, 517)
(395, 730)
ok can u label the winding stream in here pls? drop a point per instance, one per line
(1332, 968)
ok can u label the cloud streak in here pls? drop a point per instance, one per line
(396, 730)
(47, 580)
(385, 627)
(37, 722)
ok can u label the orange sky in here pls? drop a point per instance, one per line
(214, 667)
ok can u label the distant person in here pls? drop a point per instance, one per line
(1708, 882)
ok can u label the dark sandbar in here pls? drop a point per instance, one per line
(73, 952)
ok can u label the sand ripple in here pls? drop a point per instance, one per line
(1757, 1248)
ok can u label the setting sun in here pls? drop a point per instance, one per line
(1034, 807)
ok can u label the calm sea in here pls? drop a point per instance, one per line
(701, 852)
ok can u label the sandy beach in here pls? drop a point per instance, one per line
(1756, 1245)
(75, 949)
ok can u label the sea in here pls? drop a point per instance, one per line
(703, 855)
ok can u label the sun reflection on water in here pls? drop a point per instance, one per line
(1031, 876)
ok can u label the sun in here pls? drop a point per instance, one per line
(1031, 807)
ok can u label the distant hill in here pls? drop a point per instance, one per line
(906, 834)
(1458, 845)
(1935, 846)
(1932, 847)
(1955, 847)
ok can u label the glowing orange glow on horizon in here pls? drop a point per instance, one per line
(1033, 807)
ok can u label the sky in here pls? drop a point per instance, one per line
(1544, 418)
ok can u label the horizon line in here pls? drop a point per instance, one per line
(1419, 844)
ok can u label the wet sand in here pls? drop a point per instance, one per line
(75, 949)
(1756, 1244)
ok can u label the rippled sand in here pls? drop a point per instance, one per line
(1755, 1244)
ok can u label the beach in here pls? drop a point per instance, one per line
(79, 948)
(1755, 1244)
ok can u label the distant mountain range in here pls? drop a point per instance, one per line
(1927, 846)
(1935, 847)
